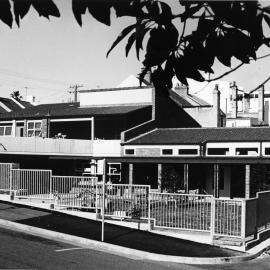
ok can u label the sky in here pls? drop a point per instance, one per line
(45, 57)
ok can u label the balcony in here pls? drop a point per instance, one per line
(65, 147)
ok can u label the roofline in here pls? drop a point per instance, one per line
(208, 128)
(114, 89)
(17, 102)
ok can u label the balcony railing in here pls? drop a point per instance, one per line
(67, 147)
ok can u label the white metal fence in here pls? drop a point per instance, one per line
(5, 177)
(125, 201)
(181, 211)
(74, 191)
(31, 183)
(228, 217)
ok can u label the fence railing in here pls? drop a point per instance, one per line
(31, 183)
(228, 217)
(221, 217)
(5, 177)
(125, 201)
(182, 211)
(74, 191)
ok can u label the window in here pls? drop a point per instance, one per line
(5, 130)
(187, 151)
(267, 151)
(34, 129)
(246, 151)
(129, 152)
(217, 151)
(167, 151)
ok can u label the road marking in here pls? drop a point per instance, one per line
(68, 249)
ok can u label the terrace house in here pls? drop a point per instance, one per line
(71, 138)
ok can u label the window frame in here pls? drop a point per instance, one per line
(34, 129)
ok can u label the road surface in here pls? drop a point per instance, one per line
(23, 251)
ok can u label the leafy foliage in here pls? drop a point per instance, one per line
(172, 179)
(16, 95)
(222, 31)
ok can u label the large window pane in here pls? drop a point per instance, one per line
(2, 131)
(30, 133)
(8, 130)
(37, 125)
(30, 125)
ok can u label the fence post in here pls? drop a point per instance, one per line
(212, 220)
(243, 221)
(11, 193)
(149, 209)
(96, 203)
(50, 191)
(10, 178)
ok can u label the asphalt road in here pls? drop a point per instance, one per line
(22, 251)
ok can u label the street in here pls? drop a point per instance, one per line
(22, 251)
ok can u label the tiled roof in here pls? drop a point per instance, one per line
(187, 100)
(13, 106)
(68, 110)
(201, 135)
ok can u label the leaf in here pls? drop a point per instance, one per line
(161, 43)
(100, 10)
(45, 8)
(205, 26)
(141, 30)
(256, 34)
(190, 11)
(267, 9)
(122, 35)
(142, 74)
(223, 51)
(79, 8)
(20, 9)
(5, 12)
(267, 19)
(130, 42)
(124, 8)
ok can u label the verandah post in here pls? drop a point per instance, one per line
(10, 181)
(186, 177)
(149, 208)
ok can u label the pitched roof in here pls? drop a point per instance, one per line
(68, 110)
(201, 135)
(12, 105)
(187, 100)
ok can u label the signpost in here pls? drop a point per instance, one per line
(103, 199)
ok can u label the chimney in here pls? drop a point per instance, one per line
(246, 102)
(261, 104)
(233, 99)
(181, 89)
(216, 105)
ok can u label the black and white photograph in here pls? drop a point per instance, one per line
(135, 134)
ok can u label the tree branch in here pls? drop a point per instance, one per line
(226, 73)
(261, 84)
(235, 68)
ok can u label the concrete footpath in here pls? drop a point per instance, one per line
(119, 240)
